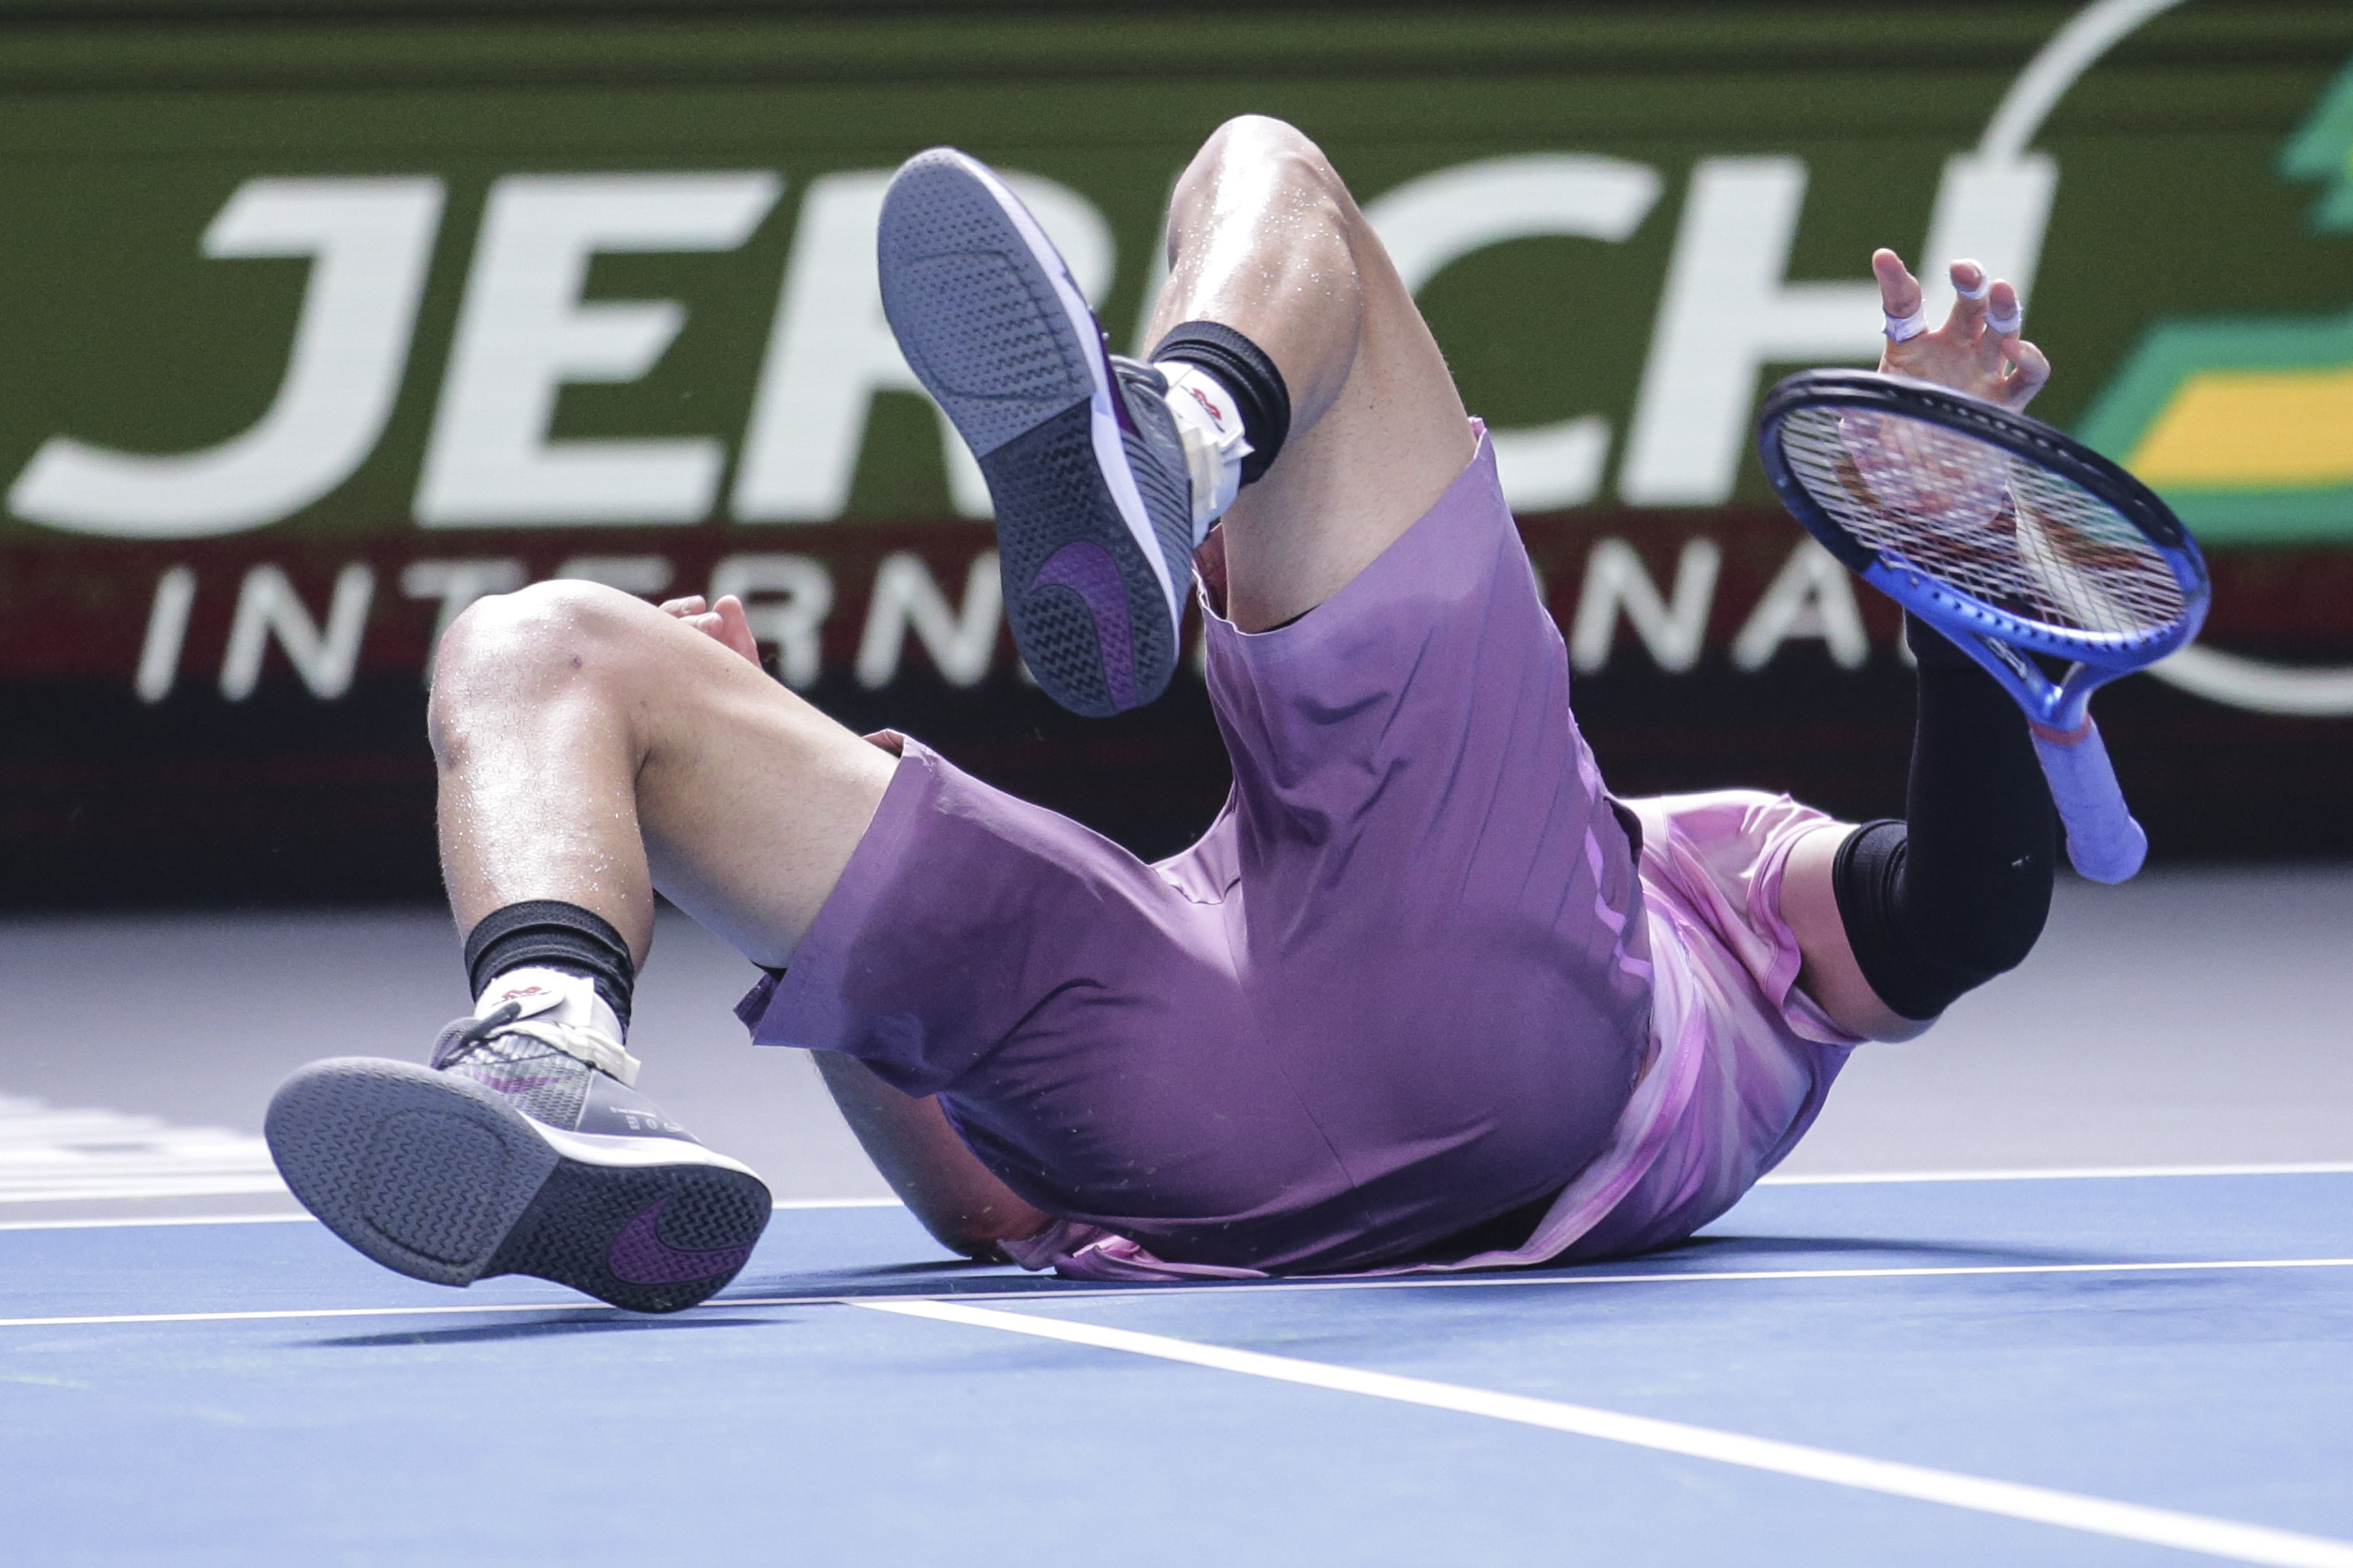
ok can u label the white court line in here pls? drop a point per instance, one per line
(290, 1313)
(119, 1223)
(1500, 1279)
(1419, 1283)
(2316, 1168)
(290, 1219)
(2163, 1527)
(2052, 1174)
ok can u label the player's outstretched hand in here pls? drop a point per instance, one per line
(723, 622)
(1977, 350)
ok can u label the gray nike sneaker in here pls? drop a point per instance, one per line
(520, 1149)
(1085, 466)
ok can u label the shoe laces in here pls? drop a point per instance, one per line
(581, 1042)
(1213, 451)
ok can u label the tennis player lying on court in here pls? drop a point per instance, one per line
(1424, 996)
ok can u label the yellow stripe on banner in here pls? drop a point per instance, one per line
(2252, 429)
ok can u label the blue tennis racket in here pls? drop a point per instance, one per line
(2019, 543)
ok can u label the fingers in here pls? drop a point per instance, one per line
(2005, 312)
(1977, 350)
(2028, 371)
(1899, 291)
(1990, 348)
(2001, 347)
(734, 627)
(723, 622)
(1900, 302)
(1969, 299)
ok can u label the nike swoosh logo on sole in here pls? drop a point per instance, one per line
(641, 1256)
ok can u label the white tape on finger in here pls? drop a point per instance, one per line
(1903, 329)
(2003, 325)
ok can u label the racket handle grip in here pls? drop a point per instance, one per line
(2104, 843)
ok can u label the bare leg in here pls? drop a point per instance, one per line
(589, 746)
(965, 1206)
(592, 748)
(1265, 238)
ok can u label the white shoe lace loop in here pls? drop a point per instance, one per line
(1211, 434)
(581, 1042)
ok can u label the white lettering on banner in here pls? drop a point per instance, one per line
(786, 599)
(830, 349)
(790, 598)
(962, 643)
(1673, 631)
(1812, 596)
(642, 574)
(268, 607)
(456, 584)
(167, 633)
(370, 240)
(1725, 315)
(523, 332)
(1429, 223)
(829, 352)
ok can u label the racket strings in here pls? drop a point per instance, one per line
(1999, 528)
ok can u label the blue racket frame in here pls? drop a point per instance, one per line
(2103, 842)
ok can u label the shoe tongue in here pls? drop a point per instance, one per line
(552, 994)
(1137, 372)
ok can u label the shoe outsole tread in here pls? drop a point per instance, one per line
(435, 1177)
(1015, 366)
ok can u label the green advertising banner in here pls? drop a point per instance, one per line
(324, 322)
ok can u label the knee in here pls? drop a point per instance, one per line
(531, 642)
(1262, 149)
(1924, 930)
(1265, 138)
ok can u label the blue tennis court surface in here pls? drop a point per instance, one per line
(1953, 1372)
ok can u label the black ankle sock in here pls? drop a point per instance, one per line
(1940, 903)
(1246, 371)
(553, 934)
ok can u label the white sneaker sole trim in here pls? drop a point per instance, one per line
(1109, 454)
(620, 1151)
